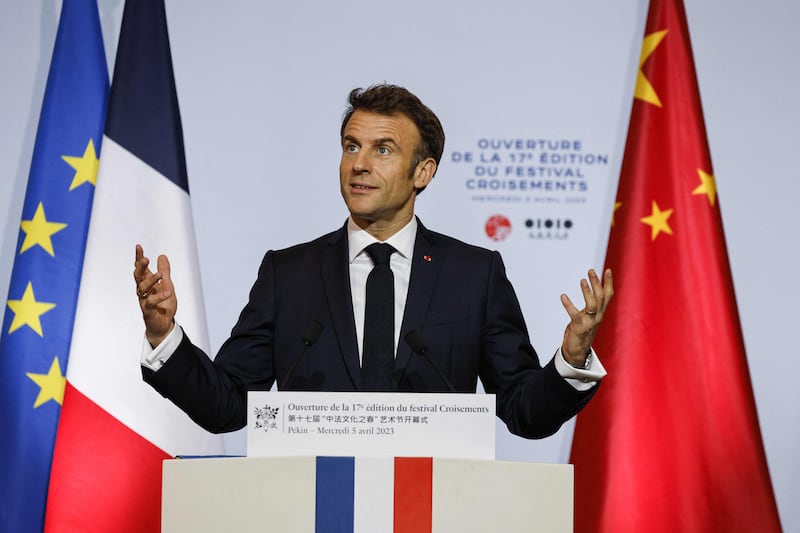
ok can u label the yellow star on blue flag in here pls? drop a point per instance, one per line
(39, 231)
(51, 385)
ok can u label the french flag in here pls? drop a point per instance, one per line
(302, 494)
(360, 495)
(115, 431)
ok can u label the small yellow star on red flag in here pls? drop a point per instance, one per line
(51, 385)
(617, 205)
(85, 166)
(644, 89)
(27, 311)
(658, 221)
(708, 186)
(39, 231)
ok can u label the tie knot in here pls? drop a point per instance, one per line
(380, 252)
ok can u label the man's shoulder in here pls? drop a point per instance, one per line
(320, 243)
(455, 245)
(303, 254)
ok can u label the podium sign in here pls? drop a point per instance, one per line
(371, 424)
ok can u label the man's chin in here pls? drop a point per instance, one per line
(359, 208)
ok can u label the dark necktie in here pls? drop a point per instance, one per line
(377, 361)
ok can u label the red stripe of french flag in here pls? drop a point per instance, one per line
(413, 494)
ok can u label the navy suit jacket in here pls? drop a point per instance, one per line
(459, 300)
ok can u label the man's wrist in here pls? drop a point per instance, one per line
(155, 340)
(155, 357)
(579, 377)
(587, 363)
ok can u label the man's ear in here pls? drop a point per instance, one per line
(424, 173)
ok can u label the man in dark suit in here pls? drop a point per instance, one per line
(309, 325)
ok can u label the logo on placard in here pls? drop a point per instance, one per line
(266, 418)
(498, 227)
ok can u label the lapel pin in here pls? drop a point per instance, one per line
(427, 258)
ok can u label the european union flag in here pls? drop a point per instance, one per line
(43, 291)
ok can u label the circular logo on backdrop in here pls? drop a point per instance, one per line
(498, 227)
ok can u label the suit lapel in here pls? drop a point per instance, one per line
(336, 280)
(425, 265)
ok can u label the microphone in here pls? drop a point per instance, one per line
(310, 335)
(418, 345)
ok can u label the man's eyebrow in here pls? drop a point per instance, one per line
(386, 140)
(377, 142)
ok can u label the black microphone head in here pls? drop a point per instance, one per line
(416, 342)
(312, 332)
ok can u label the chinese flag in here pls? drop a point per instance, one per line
(671, 442)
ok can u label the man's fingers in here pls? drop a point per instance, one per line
(596, 295)
(597, 286)
(163, 264)
(149, 284)
(154, 300)
(595, 302)
(154, 289)
(165, 271)
(588, 297)
(572, 311)
(603, 291)
(608, 284)
(140, 270)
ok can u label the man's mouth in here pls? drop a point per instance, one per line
(361, 186)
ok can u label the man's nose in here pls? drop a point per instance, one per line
(362, 163)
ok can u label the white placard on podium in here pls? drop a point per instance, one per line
(371, 424)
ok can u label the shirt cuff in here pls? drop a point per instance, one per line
(154, 358)
(579, 378)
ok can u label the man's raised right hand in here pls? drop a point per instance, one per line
(156, 296)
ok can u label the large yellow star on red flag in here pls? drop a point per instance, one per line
(658, 221)
(51, 385)
(85, 166)
(708, 186)
(27, 311)
(644, 89)
(39, 231)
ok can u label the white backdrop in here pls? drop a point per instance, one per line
(262, 87)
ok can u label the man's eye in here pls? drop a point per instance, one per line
(352, 148)
(382, 150)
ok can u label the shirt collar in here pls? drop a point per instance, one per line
(402, 241)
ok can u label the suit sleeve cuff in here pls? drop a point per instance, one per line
(580, 379)
(154, 358)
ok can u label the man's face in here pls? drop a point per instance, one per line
(375, 173)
